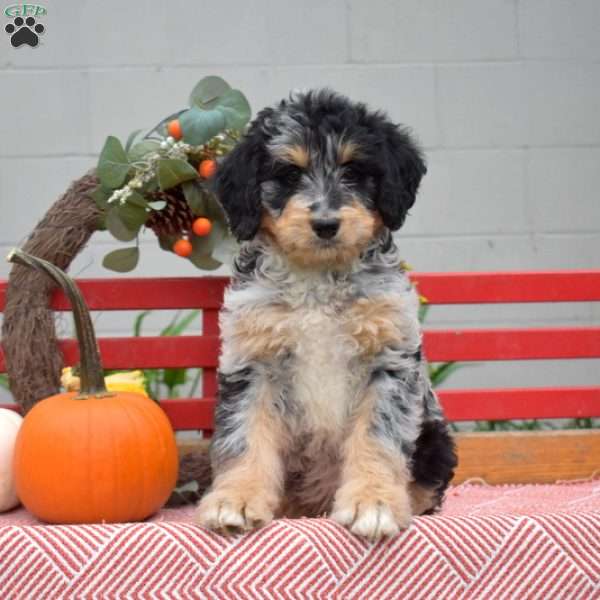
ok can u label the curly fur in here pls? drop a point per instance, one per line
(324, 403)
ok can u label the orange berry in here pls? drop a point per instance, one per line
(207, 168)
(202, 226)
(182, 247)
(174, 129)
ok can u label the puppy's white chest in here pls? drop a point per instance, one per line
(325, 377)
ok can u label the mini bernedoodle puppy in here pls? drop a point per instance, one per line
(324, 402)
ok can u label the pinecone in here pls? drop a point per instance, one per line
(175, 218)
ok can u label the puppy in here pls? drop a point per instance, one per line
(324, 402)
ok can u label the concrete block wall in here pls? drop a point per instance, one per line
(503, 95)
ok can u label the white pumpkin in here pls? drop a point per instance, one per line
(10, 421)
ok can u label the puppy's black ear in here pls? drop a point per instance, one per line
(237, 185)
(403, 167)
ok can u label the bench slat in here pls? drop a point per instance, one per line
(129, 293)
(459, 405)
(509, 286)
(521, 403)
(143, 293)
(146, 352)
(512, 344)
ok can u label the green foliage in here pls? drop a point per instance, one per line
(116, 225)
(438, 373)
(122, 260)
(173, 171)
(113, 166)
(141, 149)
(169, 382)
(208, 91)
(198, 126)
(196, 197)
(129, 175)
(131, 139)
(4, 381)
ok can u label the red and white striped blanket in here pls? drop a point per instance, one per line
(533, 541)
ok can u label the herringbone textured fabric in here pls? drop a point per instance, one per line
(503, 542)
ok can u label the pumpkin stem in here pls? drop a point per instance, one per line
(91, 372)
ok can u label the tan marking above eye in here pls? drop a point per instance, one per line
(347, 151)
(297, 155)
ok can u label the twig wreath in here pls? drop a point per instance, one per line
(159, 182)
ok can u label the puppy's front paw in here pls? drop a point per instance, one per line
(232, 513)
(371, 518)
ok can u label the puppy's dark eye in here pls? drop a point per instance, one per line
(289, 174)
(352, 174)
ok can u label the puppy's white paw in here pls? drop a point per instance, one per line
(371, 519)
(230, 513)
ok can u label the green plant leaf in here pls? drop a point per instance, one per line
(157, 205)
(215, 212)
(122, 260)
(195, 196)
(117, 227)
(204, 245)
(136, 199)
(208, 263)
(4, 381)
(173, 378)
(198, 126)
(176, 326)
(207, 92)
(166, 242)
(113, 165)
(100, 196)
(132, 215)
(137, 324)
(235, 108)
(173, 171)
(141, 149)
(439, 373)
(131, 138)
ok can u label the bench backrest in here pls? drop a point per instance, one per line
(206, 293)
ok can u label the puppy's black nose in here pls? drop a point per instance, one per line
(326, 228)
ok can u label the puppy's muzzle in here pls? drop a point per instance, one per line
(326, 229)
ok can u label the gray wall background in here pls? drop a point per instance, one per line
(503, 94)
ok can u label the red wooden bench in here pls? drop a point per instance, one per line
(481, 454)
(534, 541)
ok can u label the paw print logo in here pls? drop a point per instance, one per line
(24, 32)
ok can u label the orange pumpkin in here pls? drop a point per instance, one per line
(92, 456)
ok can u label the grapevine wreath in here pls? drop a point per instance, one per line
(158, 182)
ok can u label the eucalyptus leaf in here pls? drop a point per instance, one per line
(141, 149)
(204, 262)
(117, 227)
(100, 196)
(214, 211)
(131, 138)
(198, 126)
(235, 108)
(204, 245)
(166, 242)
(113, 165)
(226, 249)
(157, 205)
(196, 197)
(133, 216)
(122, 260)
(207, 92)
(136, 199)
(173, 171)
